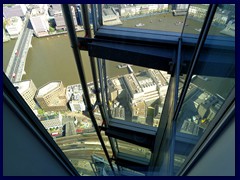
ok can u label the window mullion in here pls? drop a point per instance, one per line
(78, 59)
(94, 17)
(100, 16)
(164, 131)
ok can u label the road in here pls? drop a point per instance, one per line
(19, 56)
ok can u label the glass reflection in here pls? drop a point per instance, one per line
(195, 18)
(136, 94)
(205, 96)
(133, 150)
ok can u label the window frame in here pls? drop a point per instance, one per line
(128, 39)
(30, 120)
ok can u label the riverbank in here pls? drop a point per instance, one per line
(59, 33)
(143, 15)
(6, 39)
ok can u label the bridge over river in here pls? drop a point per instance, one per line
(16, 65)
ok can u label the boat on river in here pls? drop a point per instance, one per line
(122, 66)
(139, 25)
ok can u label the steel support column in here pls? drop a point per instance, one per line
(74, 44)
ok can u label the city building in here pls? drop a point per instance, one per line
(39, 20)
(54, 9)
(52, 97)
(115, 86)
(139, 112)
(189, 127)
(198, 11)
(148, 86)
(161, 78)
(111, 17)
(18, 10)
(75, 89)
(230, 29)
(118, 112)
(126, 10)
(180, 7)
(27, 89)
(157, 115)
(134, 90)
(14, 26)
(53, 123)
(77, 104)
(204, 107)
(60, 22)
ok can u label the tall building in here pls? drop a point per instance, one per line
(27, 89)
(52, 97)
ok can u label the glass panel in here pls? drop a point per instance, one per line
(49, 69)
(195, 19)
(134, 150)
(205, 96)
(193, 25)
(164, 17)
(136, 94)
(224, 21)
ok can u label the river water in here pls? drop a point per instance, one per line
(51, 58)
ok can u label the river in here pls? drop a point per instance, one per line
(51, 58)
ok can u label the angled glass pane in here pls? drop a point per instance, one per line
(48, 80)
(206, 95)
(192, 28)
(195, 18)
(224, 21)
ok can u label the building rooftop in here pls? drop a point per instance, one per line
(115, 84)
(144, 79)
(15, 10)
(51, 123)
(13, 20)
(47, 88)
(132, 83)
(160, 77)
(59, 21)
(22, 86)
(56, 7)
(108, 12)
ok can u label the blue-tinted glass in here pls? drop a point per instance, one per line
(207, 92)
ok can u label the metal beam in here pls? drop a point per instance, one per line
(155, 50)
(74, 44)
